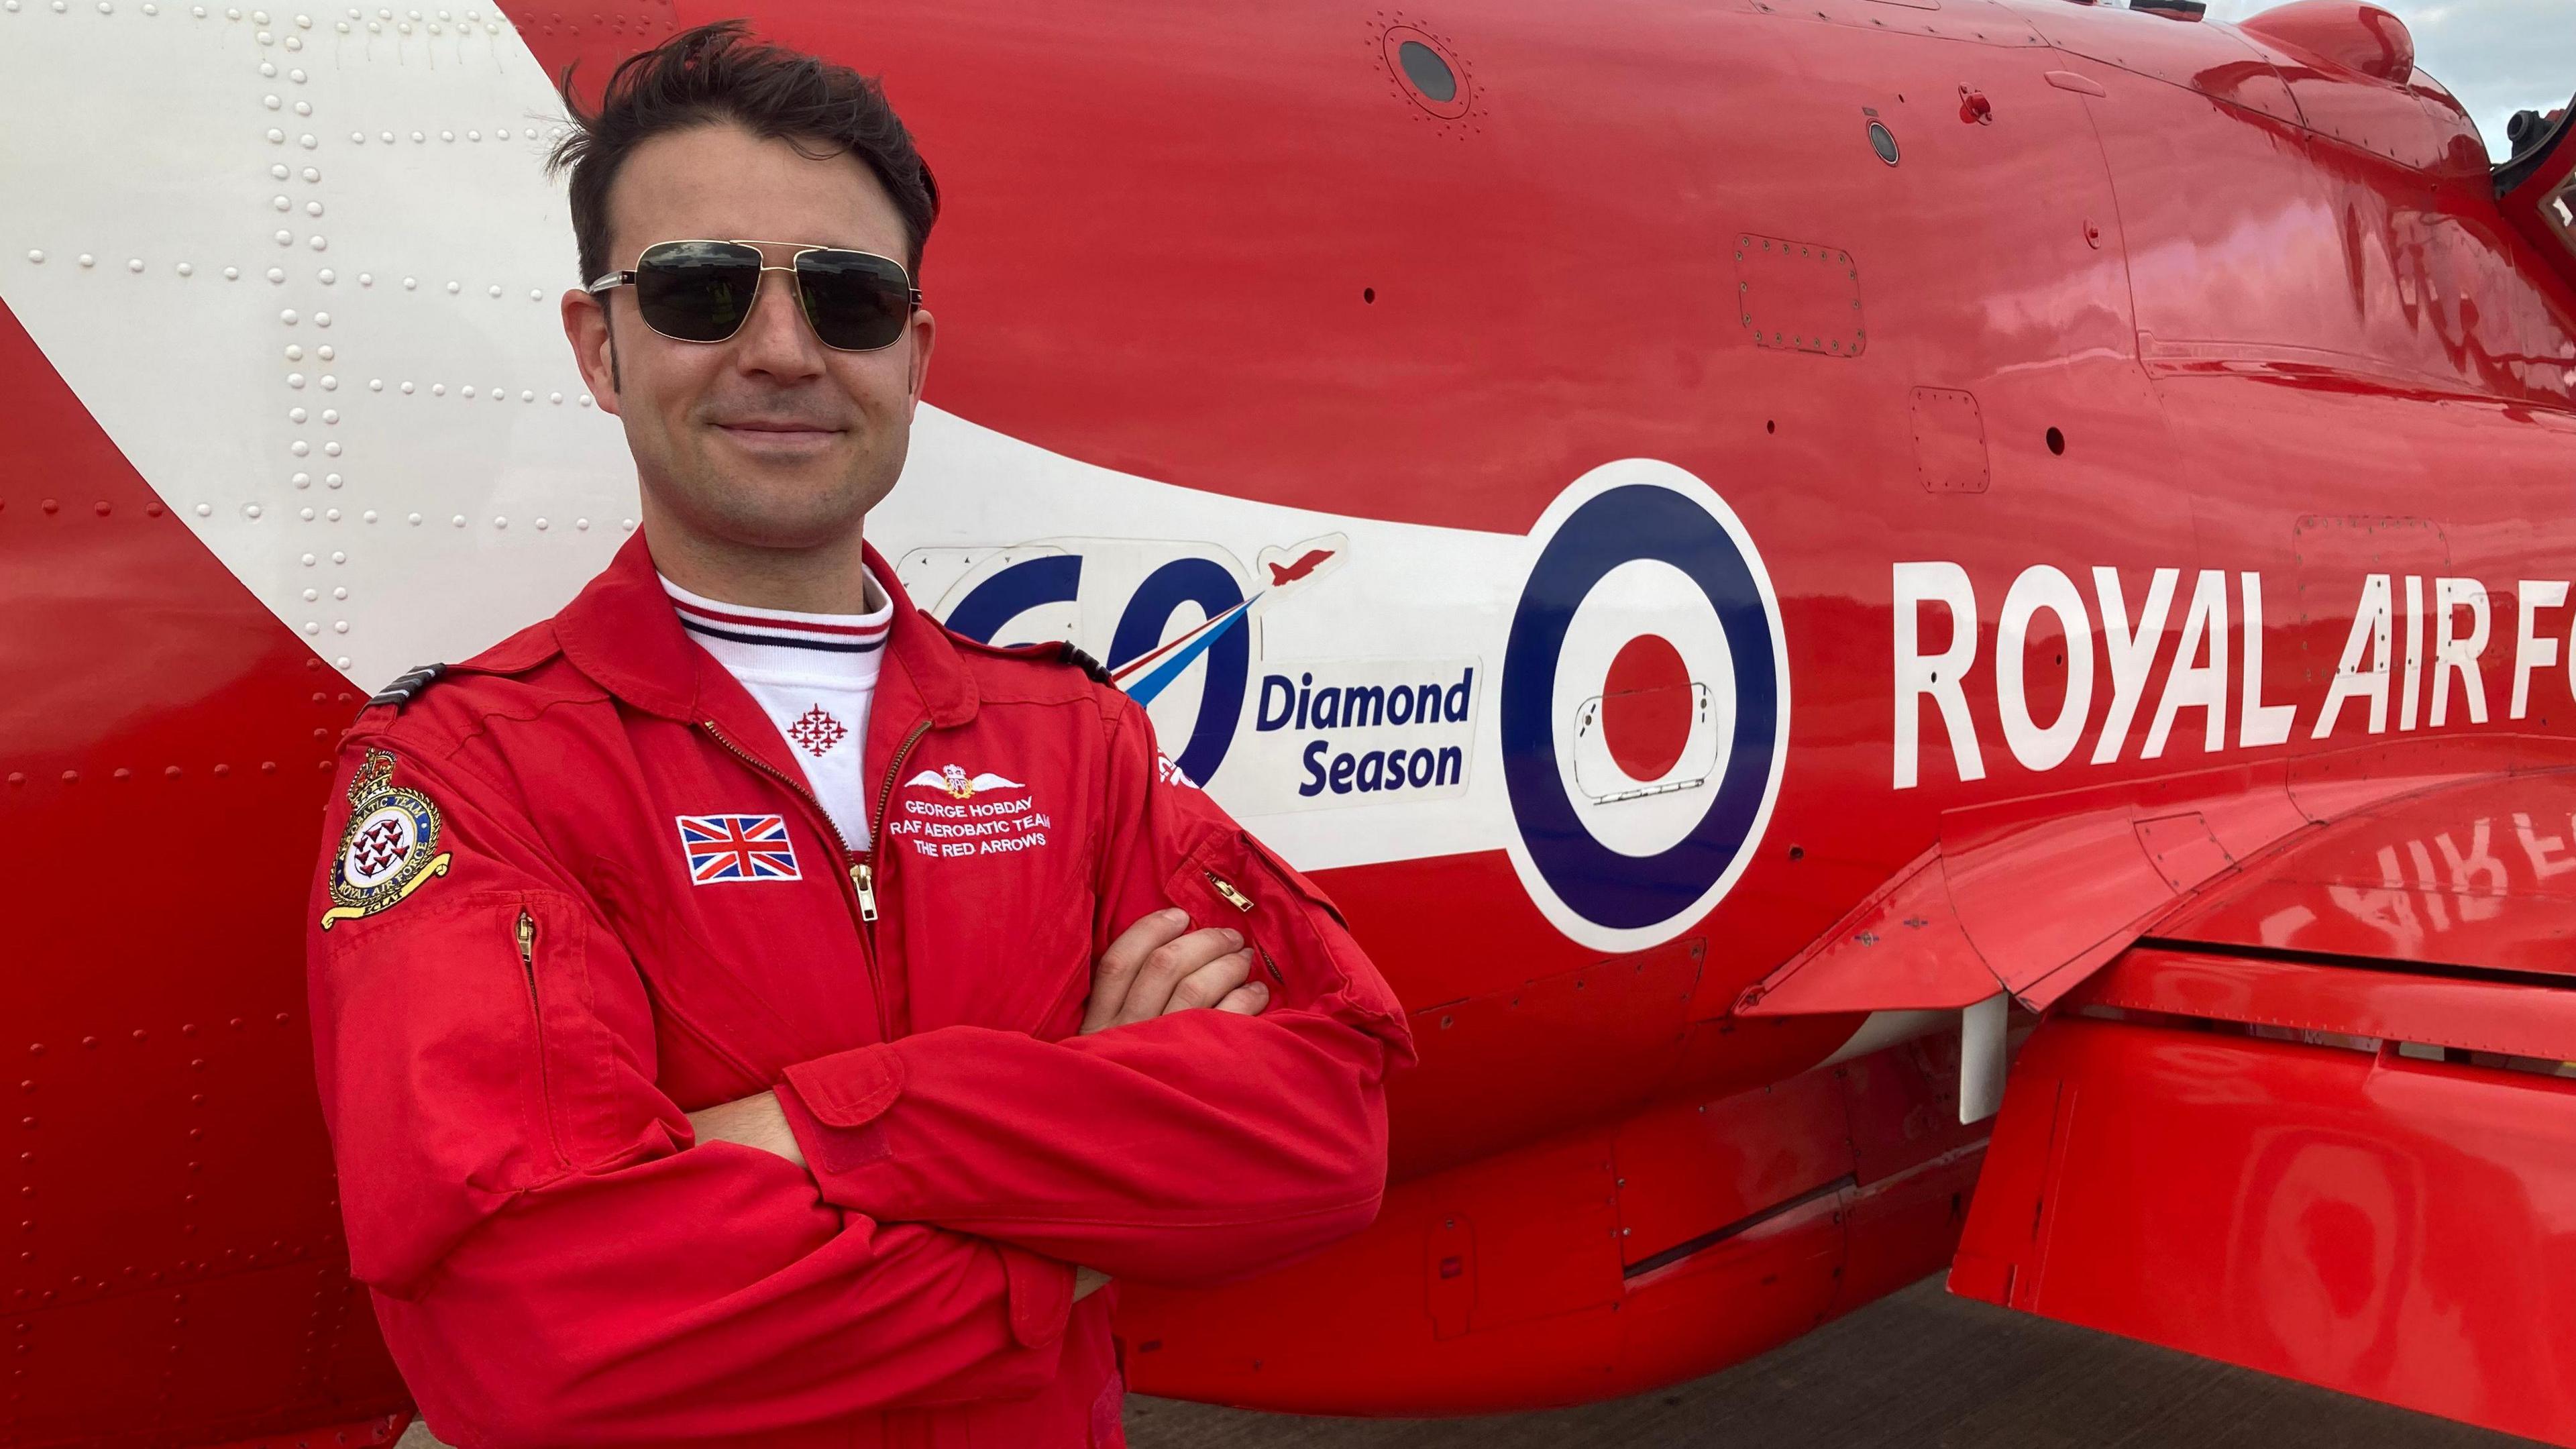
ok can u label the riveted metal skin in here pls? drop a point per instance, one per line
(288, 409)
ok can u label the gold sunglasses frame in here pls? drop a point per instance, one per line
(613, 280)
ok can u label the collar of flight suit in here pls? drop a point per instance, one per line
(622, 632)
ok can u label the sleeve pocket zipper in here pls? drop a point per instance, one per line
(1226, 892)
(526, 932)
(1225, 888)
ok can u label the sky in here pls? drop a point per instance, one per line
(2497, 56)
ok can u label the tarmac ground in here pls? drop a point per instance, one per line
(1919, 1369)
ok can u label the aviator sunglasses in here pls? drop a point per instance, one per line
(701, 291)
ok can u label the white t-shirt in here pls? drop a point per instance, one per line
(815, 675)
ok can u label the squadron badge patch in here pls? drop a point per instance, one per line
(390, 847)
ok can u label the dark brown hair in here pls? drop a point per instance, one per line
(716, 73)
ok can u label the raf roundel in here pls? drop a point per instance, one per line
(1644, 706)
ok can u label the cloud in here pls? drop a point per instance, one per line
(2497, 56)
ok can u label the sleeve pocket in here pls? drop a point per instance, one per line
(439, 1098)
(1226, 878)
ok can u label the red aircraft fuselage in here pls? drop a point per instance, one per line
(1867, 506)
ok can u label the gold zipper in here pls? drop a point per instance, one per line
(526, 931)
(1225, 888)
(860, 879)
(863, 874)
(1243, 903)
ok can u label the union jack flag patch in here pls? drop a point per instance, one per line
(737, 847)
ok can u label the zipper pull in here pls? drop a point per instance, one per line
(866, 880)
(527, 940)
(1225, 888)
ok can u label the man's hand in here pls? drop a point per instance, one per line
(1158, 966)
(753, 1121)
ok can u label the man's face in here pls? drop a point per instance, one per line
(767, 439)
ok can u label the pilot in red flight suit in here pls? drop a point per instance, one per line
(740, 1004)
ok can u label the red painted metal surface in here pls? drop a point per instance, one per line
(2380, 1225)
(2476, 875)
(2499, 1018)
(177, 1271)
(2205, 320)
(1596, 1262)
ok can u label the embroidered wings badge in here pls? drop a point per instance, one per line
(390, 848)
(960, 785)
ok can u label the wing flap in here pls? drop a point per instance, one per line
(2360, 1178)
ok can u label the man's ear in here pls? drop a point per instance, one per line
(594, 345)
(925, 330)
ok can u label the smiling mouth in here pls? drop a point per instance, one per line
(759, 433)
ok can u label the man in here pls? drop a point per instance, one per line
(744, 1010)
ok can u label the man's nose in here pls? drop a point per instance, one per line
(774, 338)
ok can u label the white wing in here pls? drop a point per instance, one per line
(990, 781)
(926, 777)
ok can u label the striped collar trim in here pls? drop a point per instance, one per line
(782, 628)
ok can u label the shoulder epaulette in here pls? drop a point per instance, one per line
(408, 684)
(1083, 662)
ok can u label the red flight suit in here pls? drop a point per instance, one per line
(577, 887)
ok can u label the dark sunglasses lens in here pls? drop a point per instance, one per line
(857, 302)
(696, 291)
